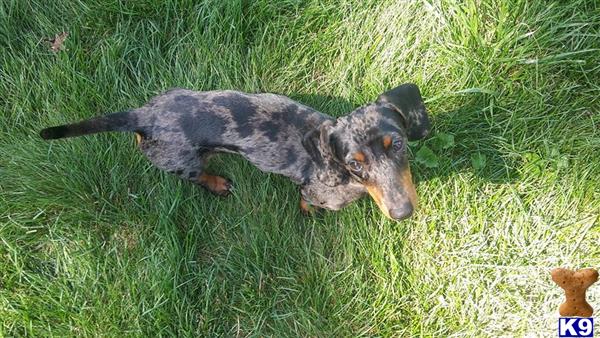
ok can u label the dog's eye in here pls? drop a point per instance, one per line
(397, 145)
(355, 166)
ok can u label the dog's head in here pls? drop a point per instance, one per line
(370, 146)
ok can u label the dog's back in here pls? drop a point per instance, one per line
(177, 129)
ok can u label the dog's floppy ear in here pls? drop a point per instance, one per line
(316, 143)
(407, 100)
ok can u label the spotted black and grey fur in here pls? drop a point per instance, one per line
(335, 161)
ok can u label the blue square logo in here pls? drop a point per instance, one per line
(572, 327)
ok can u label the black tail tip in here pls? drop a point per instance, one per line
(53, 133)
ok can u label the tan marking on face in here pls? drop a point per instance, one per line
(138, 138)
(405, 181)
(387, 141)
(377, 196)
(359, 156)
(408, 186)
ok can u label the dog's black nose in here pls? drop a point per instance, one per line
(402, 212)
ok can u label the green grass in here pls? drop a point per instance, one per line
(94, 241)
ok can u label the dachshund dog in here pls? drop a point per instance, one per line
(335, 161)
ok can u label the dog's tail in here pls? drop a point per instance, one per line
(121, 121)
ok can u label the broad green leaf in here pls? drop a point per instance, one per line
(478, 161)
(444, 141)
(427, 157)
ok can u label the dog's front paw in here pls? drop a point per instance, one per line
(305, 208)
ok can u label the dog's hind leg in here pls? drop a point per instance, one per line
(216, 184)
(185, 162)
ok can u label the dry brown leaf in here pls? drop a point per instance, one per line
(56, 44)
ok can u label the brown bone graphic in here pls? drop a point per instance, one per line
(575, 283)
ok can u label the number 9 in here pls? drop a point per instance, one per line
(585, 326)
